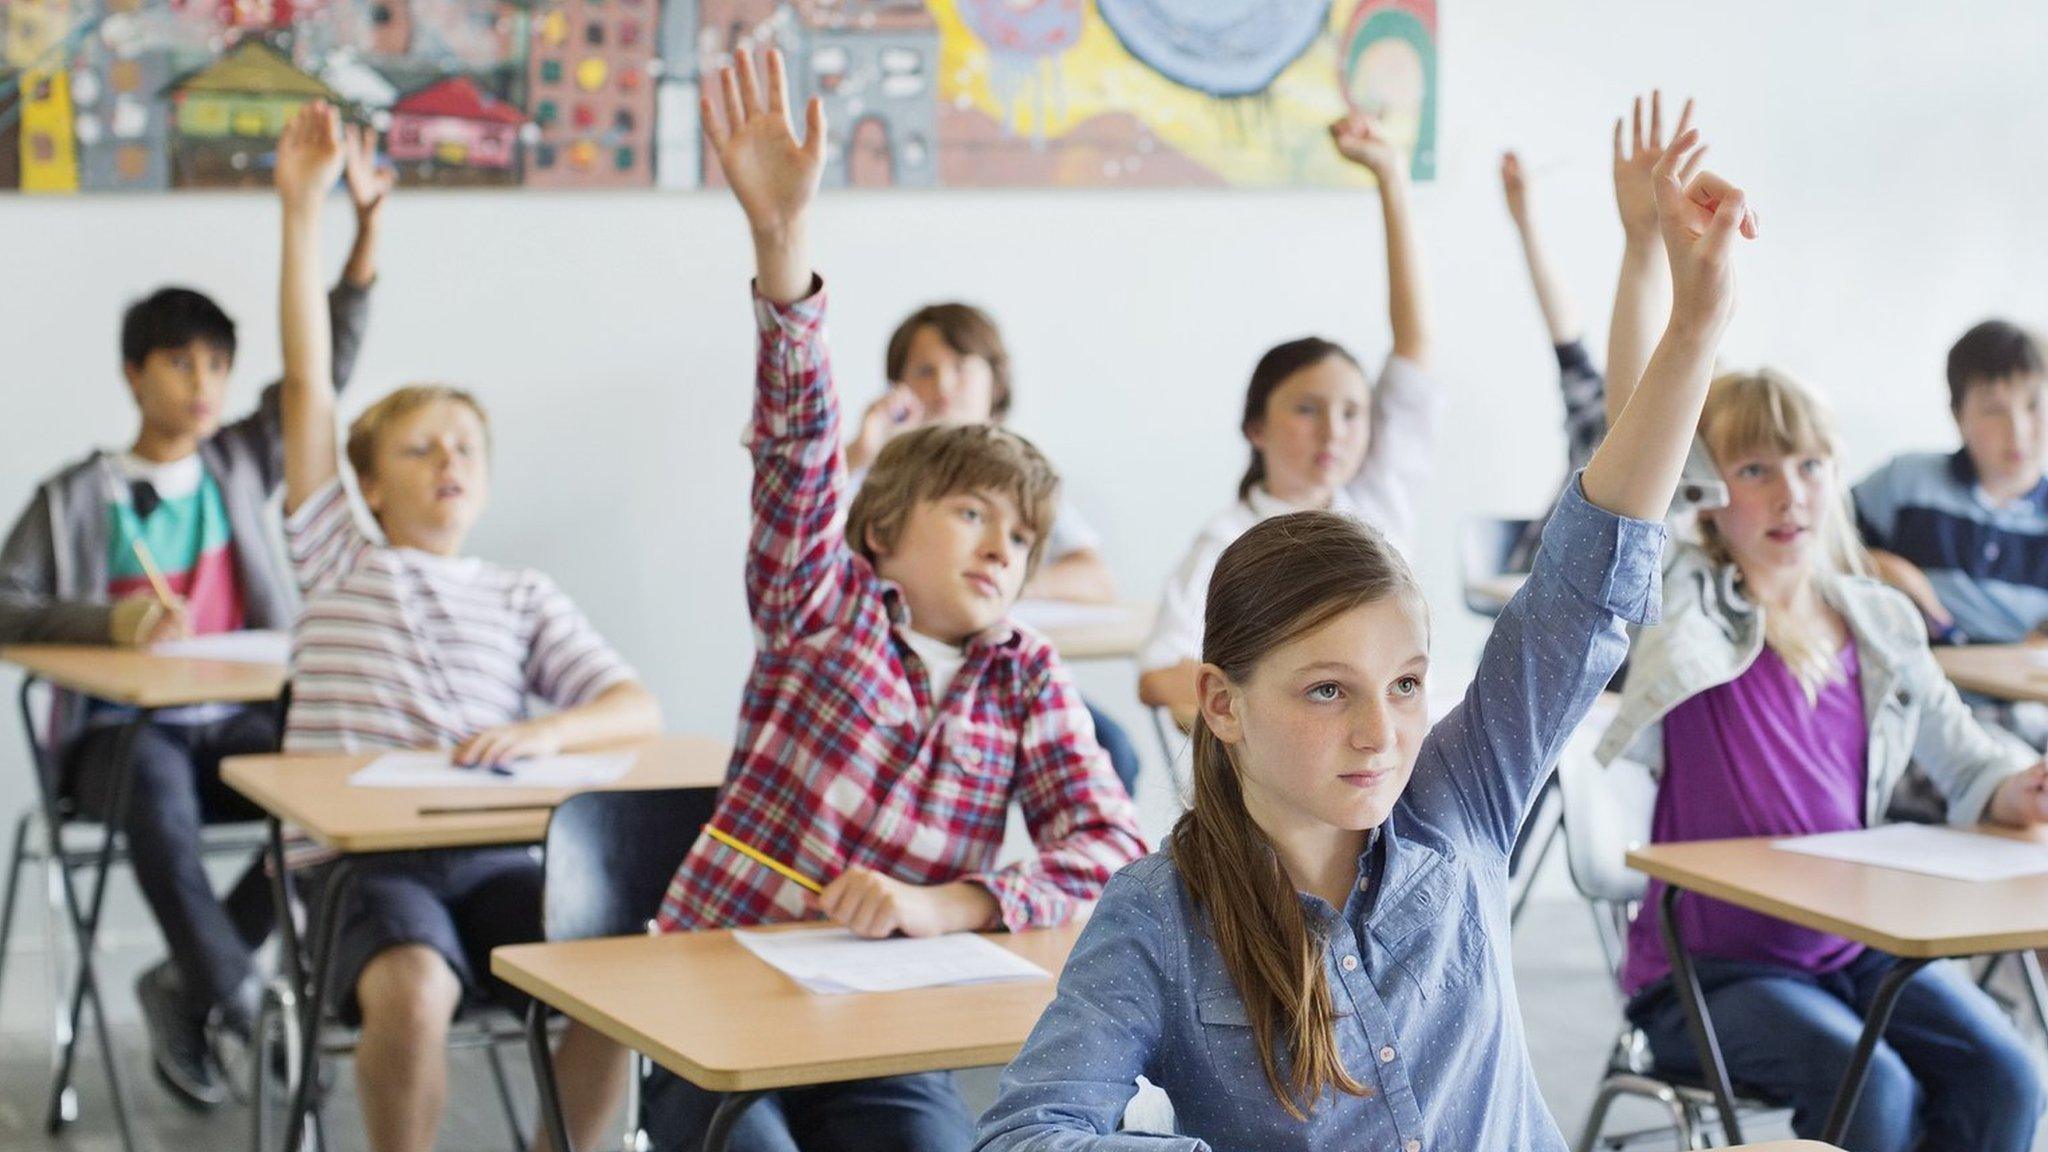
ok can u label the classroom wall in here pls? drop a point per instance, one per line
(1895, 154)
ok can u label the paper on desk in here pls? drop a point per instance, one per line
(252, 647)
(436, 770)
(831, 961)
(1934, 850)
(1047, 615)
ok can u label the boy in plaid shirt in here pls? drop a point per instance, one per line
(893, 711)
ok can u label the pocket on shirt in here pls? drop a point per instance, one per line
(1432, 930)
(1232, 1053)
(983, 751)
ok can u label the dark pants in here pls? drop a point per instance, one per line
(1949, 1073)
(1123, 755)
(922, 1113)
(174, 788)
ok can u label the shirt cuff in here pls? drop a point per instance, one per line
(796, 321)
(1613, 561)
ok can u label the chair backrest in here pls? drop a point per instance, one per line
(1607, 811)
(1484, 545)
(610, 857)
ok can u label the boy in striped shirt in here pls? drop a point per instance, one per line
(894, 712)
(406, 643)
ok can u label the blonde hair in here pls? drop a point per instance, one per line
(1766, 412)
(363, 434)
(937, 461)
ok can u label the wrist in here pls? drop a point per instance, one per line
(968, 907)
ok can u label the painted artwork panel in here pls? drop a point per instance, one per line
(158, 95)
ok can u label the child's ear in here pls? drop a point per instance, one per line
(133, 374)
(1255, 433)
(873, 540)
(1217, 698)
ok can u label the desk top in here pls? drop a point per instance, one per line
(1089, 631)
(313, 793)
(702, 1006)
(1904, 913)
(2004, 671)
(142, 679)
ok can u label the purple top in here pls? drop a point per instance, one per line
(1753, 758)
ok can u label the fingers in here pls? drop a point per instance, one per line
(749, 85)
(1619, 155)
(814, 128)
(1656, 118)
(778, 86)
(1684, 118)
(1638, 118)
(1674, 158)
(1691, 165)
(1728, 219)
(714, 127)
(729, 89)
(465, 752)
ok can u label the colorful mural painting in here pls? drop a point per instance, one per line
(141, 95)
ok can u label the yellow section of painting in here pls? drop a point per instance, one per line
(49, 159)
(1276, 137)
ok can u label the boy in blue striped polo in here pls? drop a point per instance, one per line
(1965, 534)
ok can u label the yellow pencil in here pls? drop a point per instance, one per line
(763, 860)
(155, 574)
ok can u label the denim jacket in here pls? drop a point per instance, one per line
(1417, 959)
(1711, 634)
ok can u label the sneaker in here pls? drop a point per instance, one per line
(177, 1042)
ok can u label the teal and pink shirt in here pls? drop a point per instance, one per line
(176, 510)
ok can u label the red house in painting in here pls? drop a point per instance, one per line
(452, 125)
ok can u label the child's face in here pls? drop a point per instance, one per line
(1776, 505)
(180, 390)
(1315, 429)
(1326, 729)
(960, 561)
(432, 477)
(951, 387)
(2001, 422)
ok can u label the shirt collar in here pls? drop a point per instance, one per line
(1964, 471)
(1002, 635)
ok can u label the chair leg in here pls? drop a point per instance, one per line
(497, 1062)
(13, 889)
(2037, 988)
(1596, 1119)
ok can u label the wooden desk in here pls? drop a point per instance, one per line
(706, 1009)
(1089, 631)
(2003, 671)
(313, 793)
(142, 679)
(1915, 917)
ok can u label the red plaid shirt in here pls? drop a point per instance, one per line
(841, 758)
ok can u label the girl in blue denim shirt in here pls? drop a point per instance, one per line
(1311, 962)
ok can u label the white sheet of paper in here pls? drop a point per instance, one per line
(252, 647)
(1933, 850)
(1047, 615)
(436, 770)
(831, 961)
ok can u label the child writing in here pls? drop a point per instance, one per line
(407, 643)
(1320, 437)
(1783, 694)
(948, 364)
(892, 713)
(194, 494)
(1318, 958)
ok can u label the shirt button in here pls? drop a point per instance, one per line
(1364, 883)
(1349, 963)
(1387, 1055)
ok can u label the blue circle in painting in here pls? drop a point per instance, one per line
(1221, 47)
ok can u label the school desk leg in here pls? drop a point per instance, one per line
(1874, 1022)
(550, 1094)
(731, 1107)
(325, 929)
(85, 920)
(2037, 988)
(1685, 981)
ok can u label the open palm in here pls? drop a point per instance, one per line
(773, 175)
(368, 184)
(309, 152)
(1636, 157)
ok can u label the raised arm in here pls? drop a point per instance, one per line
(309, 157)
(773, 176)
(1636, 469)
(1560, 316)
(369, 189)
(1361, 140)
(1642, 294)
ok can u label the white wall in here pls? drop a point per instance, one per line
(1896, 160)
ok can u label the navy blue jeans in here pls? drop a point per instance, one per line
(1950, 1071)
(922, 1113)
(1123, 755)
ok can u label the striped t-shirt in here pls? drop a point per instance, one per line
(399, 648)
(1988, 563)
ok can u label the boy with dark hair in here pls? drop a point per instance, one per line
(196, 493)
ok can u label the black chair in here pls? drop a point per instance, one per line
(610, 857)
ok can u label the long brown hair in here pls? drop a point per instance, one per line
(1766, 412)
(1284, 578)
(1280, 362)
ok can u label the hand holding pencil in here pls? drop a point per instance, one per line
(142, 620)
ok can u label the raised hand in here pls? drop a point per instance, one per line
(1699, 214)
(1514, 187)
(309, 153)
(1361, 139)
(773, 175)
(368, 184)
(897, 410)
(1634, 160)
